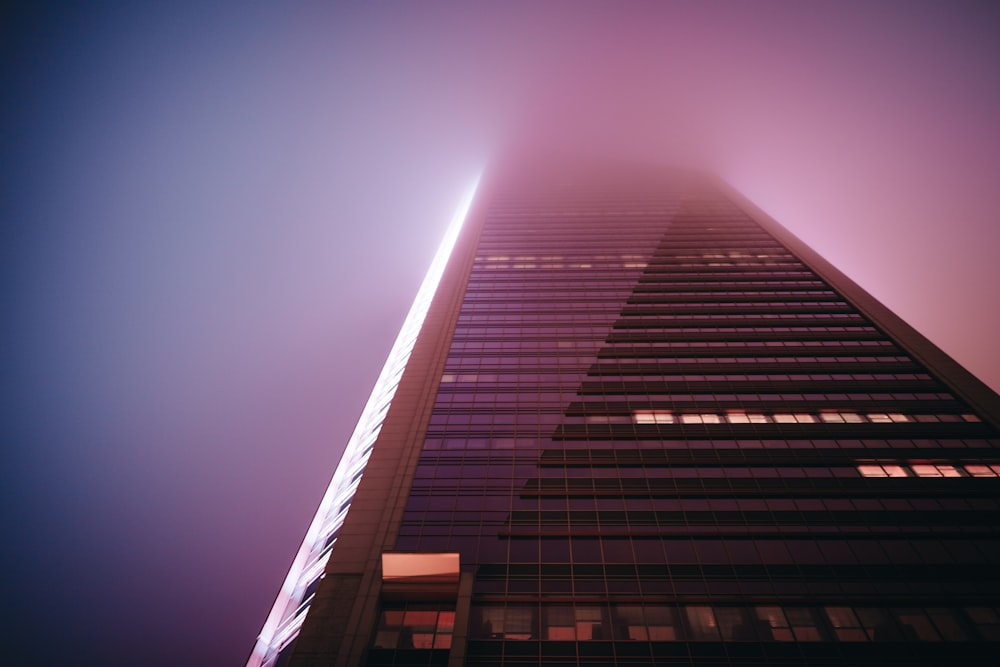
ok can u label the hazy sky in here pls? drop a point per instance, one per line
(214, 220)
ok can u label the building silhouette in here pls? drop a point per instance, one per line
(638, 422)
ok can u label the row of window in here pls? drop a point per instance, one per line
(415, 626)
(665, 305)
(561, 265)
(517, 378)
(741, 417)
(530, 438)
(421, 627)
(747, 316)
(515, 396)
(556, 258)
(928, 470)
(493, 507)
(626, 336)
(632, 362)
(765, 623)
(745, 472)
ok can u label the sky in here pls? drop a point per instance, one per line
(214, 217)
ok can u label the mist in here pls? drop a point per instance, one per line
(215, 219)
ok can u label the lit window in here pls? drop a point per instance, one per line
(983, 471)
(415, 628)
(878, 470)
(559, 623)
(879, 418)
(653, 417)
(629, 621)
(588, 624)
(784, 419)
(803, 624)
(700, 419)
(971, 418)
(935, 471)
(831, 417)
(660, 624)
(703, 625)
(774, 618)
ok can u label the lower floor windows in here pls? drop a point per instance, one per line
(710, 623)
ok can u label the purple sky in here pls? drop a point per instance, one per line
(214, 221)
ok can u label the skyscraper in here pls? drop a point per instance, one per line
(638, 422)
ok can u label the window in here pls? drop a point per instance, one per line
(916, 625)
(879, 470)
(774, 618)
(703, 625)
(512, 622)
(846, 625)
(983, 470)
(415, 627)
(935, 471)
(987, 622)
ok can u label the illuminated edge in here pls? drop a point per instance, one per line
(289, 609)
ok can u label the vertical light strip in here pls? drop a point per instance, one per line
(283, 623)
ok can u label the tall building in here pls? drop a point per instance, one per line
(638, 422)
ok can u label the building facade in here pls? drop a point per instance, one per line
(643, 424)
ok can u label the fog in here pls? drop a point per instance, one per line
(215, 219)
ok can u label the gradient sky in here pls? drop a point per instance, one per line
(214, 219)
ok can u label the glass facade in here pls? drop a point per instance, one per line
(660, 437)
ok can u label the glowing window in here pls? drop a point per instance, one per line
(653, 417)
(935, 471)
(559, 623)
(879, 470)
(879, 418)
(983, 471)
(971, 418)
(701, 419)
